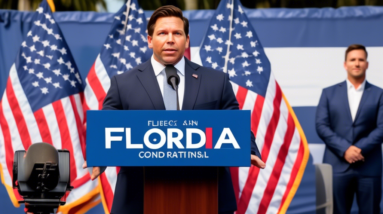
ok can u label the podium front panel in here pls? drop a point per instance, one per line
(168, 138)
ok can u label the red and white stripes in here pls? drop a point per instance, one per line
(58, 123)
(281, 146)
(98, 84)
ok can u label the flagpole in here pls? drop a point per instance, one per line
(51, 5)
(229, 43)
(127, 14)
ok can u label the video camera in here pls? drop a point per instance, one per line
(42, 177)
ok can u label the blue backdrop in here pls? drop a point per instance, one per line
(279, 30)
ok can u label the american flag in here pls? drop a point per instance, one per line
(125, 48)
(42, 103)
(232, 46)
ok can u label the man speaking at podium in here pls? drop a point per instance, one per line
(145, 87)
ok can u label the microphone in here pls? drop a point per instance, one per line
(173, 80)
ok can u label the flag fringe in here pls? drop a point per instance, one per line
(305, 159)
(9, 189)
(89, 206)
(85, 207)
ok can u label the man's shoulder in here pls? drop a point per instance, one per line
(205, 70)
(374, 88)
(335, 86)
(331, 89)
(134, 70)
(211, 70)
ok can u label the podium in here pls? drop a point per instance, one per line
(183, 153)
(181, 190)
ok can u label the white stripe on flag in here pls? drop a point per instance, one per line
(243, 172)
(78, 106)
(111, 175)
(235, 87)
(267, 113)
(195, 56)
(72, 126)
(265, 174)
(25, 108)
(54, 130)
(249, 103)
(285, 174)
(101, 74)
(90, 96)
(15, 136)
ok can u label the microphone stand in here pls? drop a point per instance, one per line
(173, 81)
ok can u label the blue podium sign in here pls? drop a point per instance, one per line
(168, 138)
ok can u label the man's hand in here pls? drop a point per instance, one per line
(95, 171)
(256, 161)
(353, 154)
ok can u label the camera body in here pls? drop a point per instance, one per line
(42, 177)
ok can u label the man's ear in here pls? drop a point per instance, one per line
(150, 45)
(187, 41)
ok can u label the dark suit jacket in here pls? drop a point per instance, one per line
(335, 127)
(138, 89)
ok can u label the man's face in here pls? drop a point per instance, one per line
(356, 64)
(168, 40)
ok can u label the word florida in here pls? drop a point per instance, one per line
(172, 138)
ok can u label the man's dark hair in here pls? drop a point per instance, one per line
(167, 11)
(355, 47)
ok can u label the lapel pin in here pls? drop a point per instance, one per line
(195, 76)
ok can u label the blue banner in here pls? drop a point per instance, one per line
(168, 138)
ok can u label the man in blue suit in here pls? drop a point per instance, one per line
(349, 120)
(143, 88)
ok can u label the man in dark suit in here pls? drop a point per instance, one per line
(143, 88)
(349, 120)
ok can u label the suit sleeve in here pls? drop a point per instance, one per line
(335, 143)
(367, 144)
(229, 102)
(254, 148)
(112, 100)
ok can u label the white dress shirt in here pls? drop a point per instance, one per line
(180, 66)
(354, 97)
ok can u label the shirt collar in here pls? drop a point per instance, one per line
(158, 67)
(361, 87)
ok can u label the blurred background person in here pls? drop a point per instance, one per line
(349, 119)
